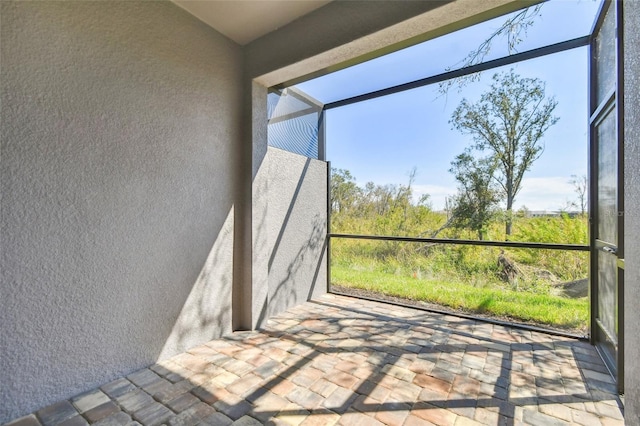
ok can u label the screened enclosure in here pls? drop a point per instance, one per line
(444, 196)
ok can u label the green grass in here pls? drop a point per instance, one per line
(542, 309)
(464, 277)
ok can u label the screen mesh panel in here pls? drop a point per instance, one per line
(294, 122)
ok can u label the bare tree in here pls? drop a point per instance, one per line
(513, 29)
(580, 186)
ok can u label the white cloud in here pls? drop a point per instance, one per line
(545, 193)
(537, 193)
(437, 194)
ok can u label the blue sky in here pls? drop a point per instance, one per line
(383, 139)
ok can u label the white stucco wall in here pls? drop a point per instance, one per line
(296, 229)
(289, 227)
(121, 123)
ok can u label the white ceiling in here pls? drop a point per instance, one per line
(246, 20)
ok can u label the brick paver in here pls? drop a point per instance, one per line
(340, 360)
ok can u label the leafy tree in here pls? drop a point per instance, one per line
(389, 204)
(474, 206)
(508, 122)
(344, 191)
(389, 209)
(379, 199)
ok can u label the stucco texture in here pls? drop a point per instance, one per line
(296, 229)
(120, 130)
(631, 37)
(289, 233)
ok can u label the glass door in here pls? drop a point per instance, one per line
(606, 195)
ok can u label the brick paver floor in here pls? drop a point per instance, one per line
(340, 360)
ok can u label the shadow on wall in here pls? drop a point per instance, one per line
(206, 313)
(296, 223)
(297, 285)
(119, 142)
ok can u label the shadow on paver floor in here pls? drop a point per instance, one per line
(340, 360)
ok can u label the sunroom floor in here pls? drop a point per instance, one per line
(342, 360)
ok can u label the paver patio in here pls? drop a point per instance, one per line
(340, 360)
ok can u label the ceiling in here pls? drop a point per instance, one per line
(246, 20)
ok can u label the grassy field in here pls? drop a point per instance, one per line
(520, 306)
(470, 278)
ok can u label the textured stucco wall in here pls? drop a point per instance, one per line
(257, 305)
(120, 130)
(296, 229)
(631, 37)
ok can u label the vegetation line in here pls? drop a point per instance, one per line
(535, 308)
(514, 244)
(378, 297)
